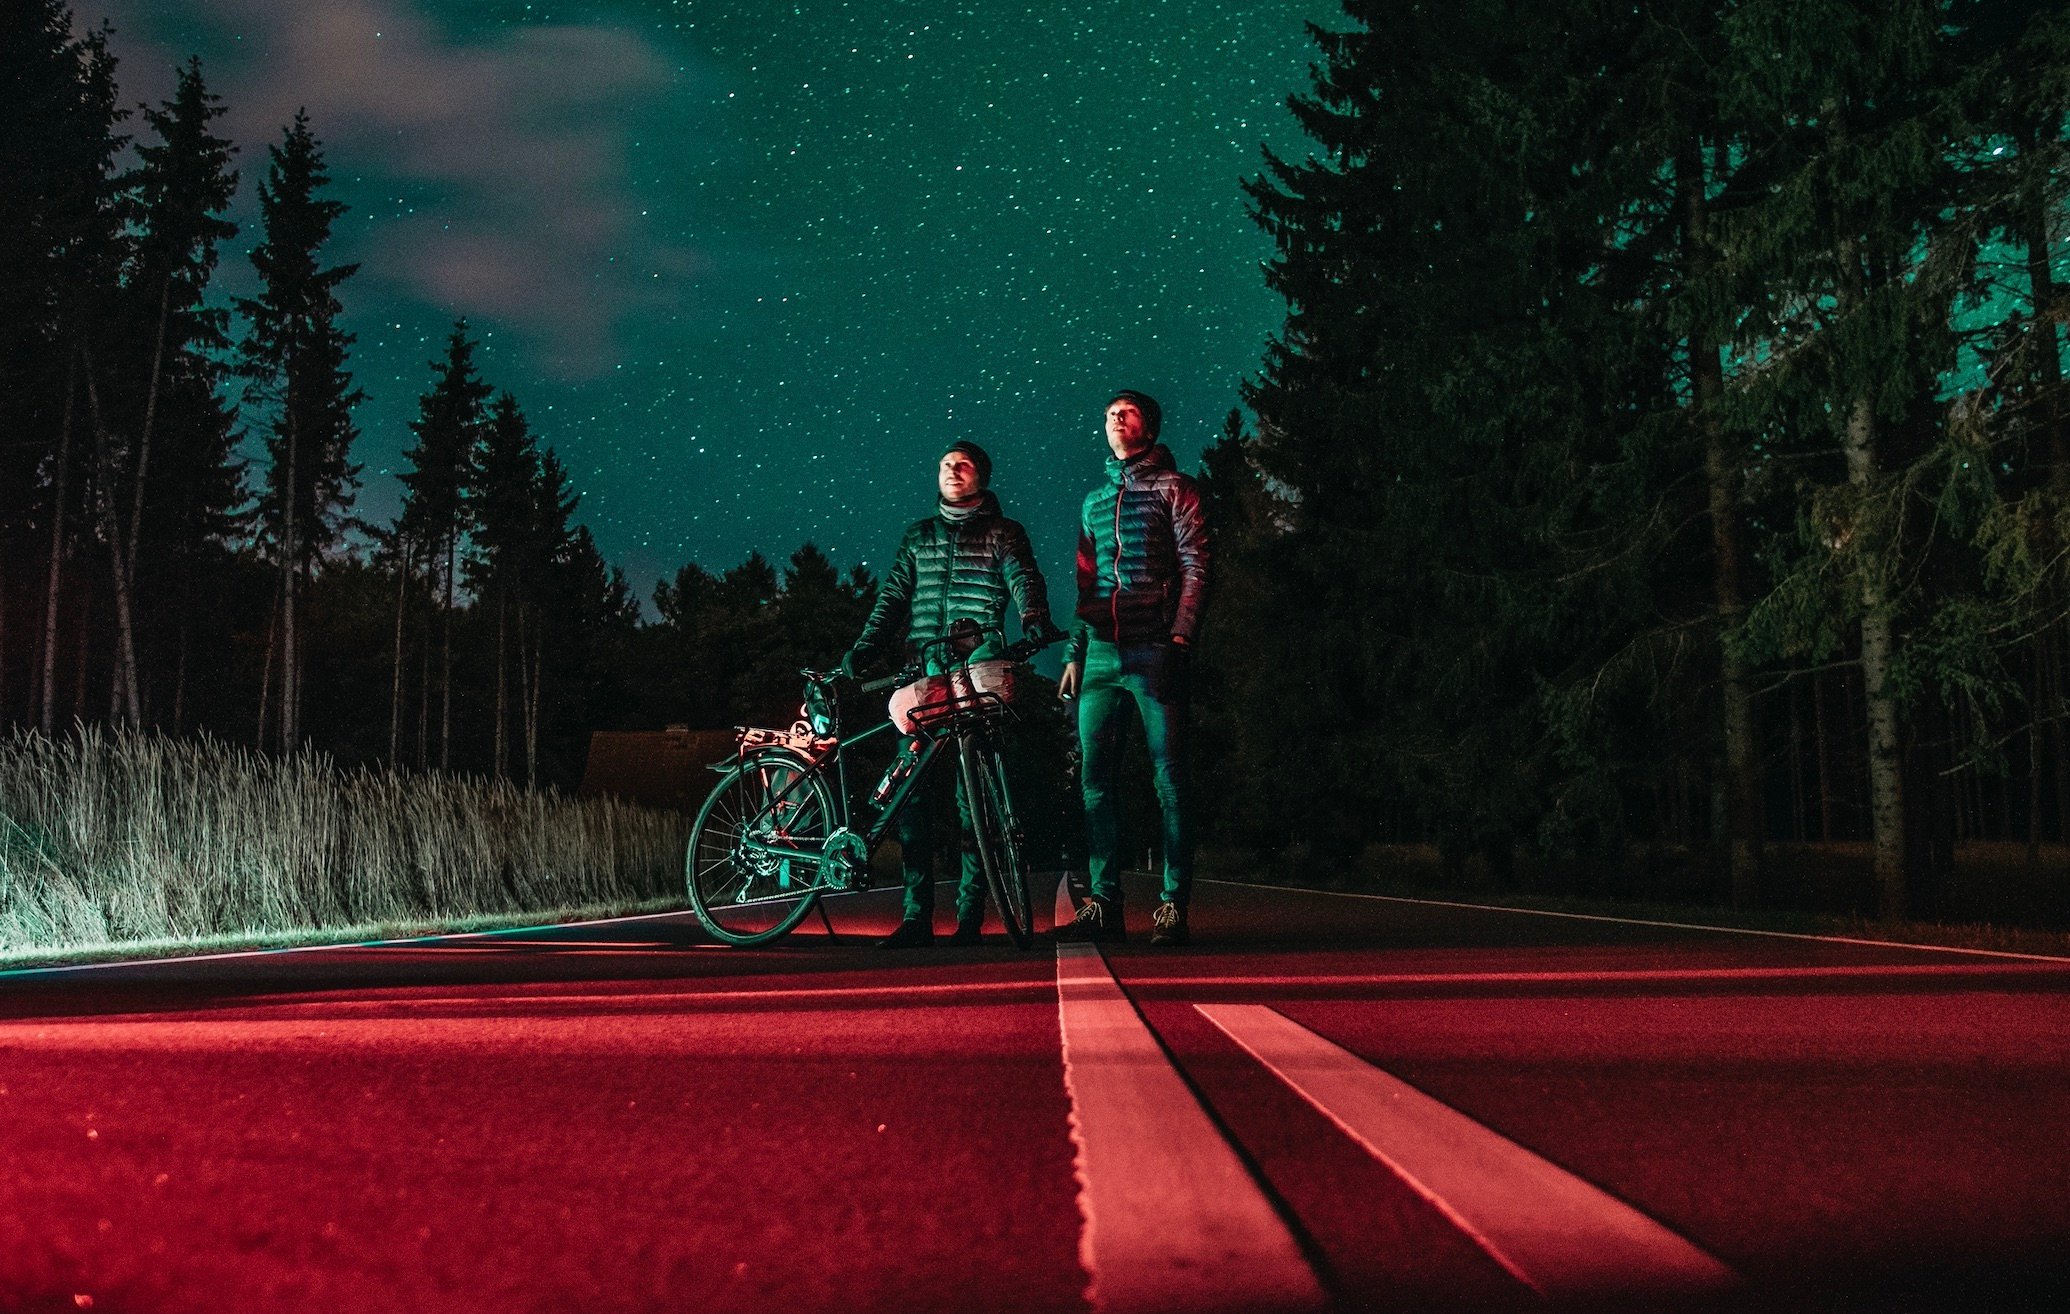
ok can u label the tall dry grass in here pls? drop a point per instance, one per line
(125, 836)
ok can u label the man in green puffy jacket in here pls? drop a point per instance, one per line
(1142, 586)
(965, 562)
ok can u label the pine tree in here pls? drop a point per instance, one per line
(293, 360)
(448, 427)
(504, 565)
(60, 255)
(186, 485)
(1654, 146)
(1856, 271)
(1446, 414)
(572, 598)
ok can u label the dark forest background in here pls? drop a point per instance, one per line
(1662, 474)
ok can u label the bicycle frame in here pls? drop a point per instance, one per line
(931, 744)
(844, 805)
(781, 828)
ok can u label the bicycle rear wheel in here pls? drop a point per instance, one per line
(998, 838)
(753, 865)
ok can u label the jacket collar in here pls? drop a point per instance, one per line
(1153, 458)
(988, 505)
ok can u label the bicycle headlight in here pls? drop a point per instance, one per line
(819, 708)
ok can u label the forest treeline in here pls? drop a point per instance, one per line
(155, 575)
(1665, 449)
(1666, 453)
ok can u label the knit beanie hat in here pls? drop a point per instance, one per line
(977, 456)
(1153, 414)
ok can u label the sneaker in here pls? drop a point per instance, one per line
(968, 934)
(909, 935)
(1168, 925)
(1096, 922)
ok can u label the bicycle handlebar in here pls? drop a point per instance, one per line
(964, 631)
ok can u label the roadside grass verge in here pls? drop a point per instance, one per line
(129, 839)
(122, 951)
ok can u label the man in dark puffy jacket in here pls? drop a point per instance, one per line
(962, 563)
(1142, 585)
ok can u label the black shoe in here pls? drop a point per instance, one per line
(1096, 922)
(1168, 925)
(968, 934)
(909, 935)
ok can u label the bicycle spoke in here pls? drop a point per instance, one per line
(753, 862)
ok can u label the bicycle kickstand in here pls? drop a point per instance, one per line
(827, 921)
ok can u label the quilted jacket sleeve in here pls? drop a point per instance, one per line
(894, 604)
(1087, 569)
(1190, 538)
(1024, 579)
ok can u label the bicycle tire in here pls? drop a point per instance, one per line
(999, 841)
(746, 896)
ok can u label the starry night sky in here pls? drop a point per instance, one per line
(749, 266)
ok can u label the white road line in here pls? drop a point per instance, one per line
(1556, 1233)
(1172, 1217)
(1957, 972)
(1641, 921)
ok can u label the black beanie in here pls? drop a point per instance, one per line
(1153, 414)
(978, 458)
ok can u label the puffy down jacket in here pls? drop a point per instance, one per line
(1142, 556)
(946, 572)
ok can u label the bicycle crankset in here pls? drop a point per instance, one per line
(844, 861)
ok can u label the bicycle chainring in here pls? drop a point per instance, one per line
(844, 861)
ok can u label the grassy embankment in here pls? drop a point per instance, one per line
(136, 842)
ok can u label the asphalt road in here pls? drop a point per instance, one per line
(1327, 1102)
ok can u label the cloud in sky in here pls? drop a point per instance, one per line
(513, 197)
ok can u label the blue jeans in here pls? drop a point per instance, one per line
(1152, 679)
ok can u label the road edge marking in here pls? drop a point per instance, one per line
(1170, 1218)
(1643, 921)
(332, 946)
(393, 942)
(1559, 1235)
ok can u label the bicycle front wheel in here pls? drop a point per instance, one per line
(998, 837)
(753, 865)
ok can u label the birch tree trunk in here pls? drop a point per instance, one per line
(179, 709)
(290, 548)
(48, 721)
(2041, 279)
(445, 680)
(125, 626)
(502, 682)
(266, 669)
(1886, 776)
(1825, 761)
(136, 509)
(395, 684)
(1744, 824)
(424, 676)
(529, 673)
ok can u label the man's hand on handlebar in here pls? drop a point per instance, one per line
(1035, 636)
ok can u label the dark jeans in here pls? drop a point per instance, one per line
(916, 843)
(916, 829)
(1152, 679)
